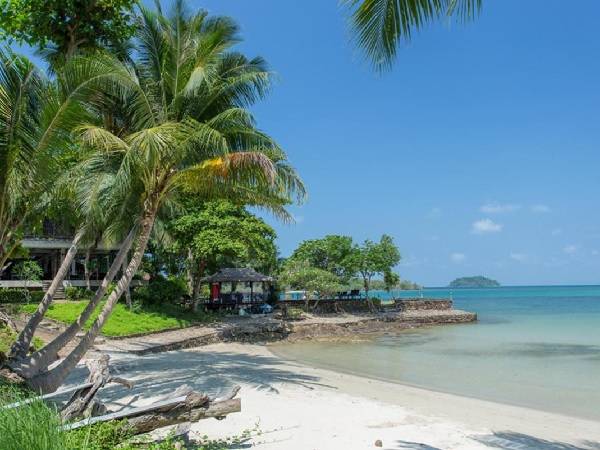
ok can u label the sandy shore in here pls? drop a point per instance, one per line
(299, 407)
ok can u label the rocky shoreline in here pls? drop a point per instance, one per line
(406, 315)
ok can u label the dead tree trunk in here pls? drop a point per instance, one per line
(191, 407)
(83, 402)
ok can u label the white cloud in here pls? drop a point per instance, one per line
(521, 257)
(571, 249)
(458, 257)
(556, 232)
(498, 208)
(540, 209)
(486, 226)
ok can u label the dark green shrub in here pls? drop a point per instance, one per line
(14, 296)
(36, 296)
(161, 290)
(78, 293)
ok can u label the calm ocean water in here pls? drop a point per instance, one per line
(533, 346)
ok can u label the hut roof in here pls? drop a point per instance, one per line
(228, 275)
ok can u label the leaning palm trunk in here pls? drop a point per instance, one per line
(40, 360)
(21, 346)
(51, 380)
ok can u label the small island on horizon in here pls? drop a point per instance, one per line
(474, 282)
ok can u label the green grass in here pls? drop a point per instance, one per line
(7, 337)
(124, 322)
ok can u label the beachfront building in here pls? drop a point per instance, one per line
(48, 248)
(237, 288)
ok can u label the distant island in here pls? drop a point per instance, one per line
(474, 282)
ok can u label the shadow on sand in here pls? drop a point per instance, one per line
(211, 372)
(518, 441)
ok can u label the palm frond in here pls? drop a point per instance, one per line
(381, 25)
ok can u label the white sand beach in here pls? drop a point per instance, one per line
(299, 407)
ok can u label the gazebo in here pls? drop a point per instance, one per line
(242, 288)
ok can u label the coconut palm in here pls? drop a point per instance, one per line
(70, 101)
(24, 152)
(185, 129)
(381, 25)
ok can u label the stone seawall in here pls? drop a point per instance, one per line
(423, 304)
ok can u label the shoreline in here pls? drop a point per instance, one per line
(302, 407)
(382, 379)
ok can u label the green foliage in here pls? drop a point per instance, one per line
(34, 426)
(28, 270)
(126, 322)
(474, 282)
(78, 293)
(381, 25)
(221, 234)
(302, 276)
(331, 253)
(370, 258)
(14, 296)
(390, 280)
(67, 24)
(7, 337)
(161, 290)
(100, 436)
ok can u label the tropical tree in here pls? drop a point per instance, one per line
(330, 253)
(185, 130)
(374, 258)
(380, 26)
(67, 26)
(221, 234)
(297, 274)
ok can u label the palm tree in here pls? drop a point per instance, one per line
(186, 129)
(68, 102)
(24, 155)
(381, 25)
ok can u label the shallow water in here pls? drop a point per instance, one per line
(533, 346)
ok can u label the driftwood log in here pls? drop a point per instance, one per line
(83, 401)
(191, 407)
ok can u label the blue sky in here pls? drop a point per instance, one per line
(478, 152)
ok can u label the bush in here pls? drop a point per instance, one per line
(36, 296)
(78, 293)
(14, 296)
(161, 290)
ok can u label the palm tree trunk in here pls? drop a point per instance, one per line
(21, 346)
(51, 380)
(86, 268)
(127, 293)
(40, 360)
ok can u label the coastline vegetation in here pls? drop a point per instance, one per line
(474, 282)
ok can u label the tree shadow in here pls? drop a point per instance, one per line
(409, 445)
(211, 372)
(519, 441)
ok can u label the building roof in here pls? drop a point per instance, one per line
(231, 274)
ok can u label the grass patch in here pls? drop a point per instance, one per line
(7, 337)
(125, 322)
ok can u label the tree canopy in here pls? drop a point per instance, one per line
(331, 253)
(221, 234)
(67, 24)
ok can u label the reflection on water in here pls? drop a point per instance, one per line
(536, 347)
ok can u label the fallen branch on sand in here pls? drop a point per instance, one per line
(192, 407)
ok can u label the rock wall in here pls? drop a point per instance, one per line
(423, 304)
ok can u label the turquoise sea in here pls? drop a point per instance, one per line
(535, 346)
